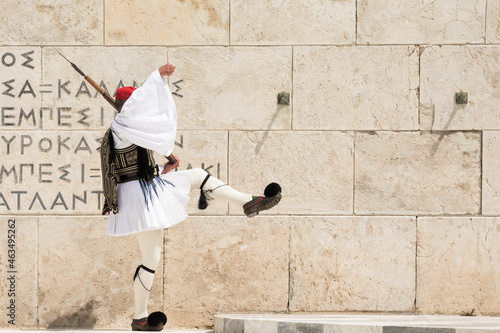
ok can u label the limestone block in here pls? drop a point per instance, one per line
(352, 264)
(457, 265)
(491, 173)
(417, 173)
(232, 87)
(206, 150)
(493, 21)
(21, 86)
(18, 272)
(52, 22)
(421, 22)
(292, 22)
(225, 264)
(314, 169)
(50, 172)
(85, 277)
(110, 67)
(167, 22)
(356, 88)
(450, 69)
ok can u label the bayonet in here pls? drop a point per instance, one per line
(97, 87)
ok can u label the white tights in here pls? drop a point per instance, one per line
(150, 242)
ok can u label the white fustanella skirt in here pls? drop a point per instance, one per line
(144, 206)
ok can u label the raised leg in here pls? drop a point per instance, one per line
(217, 189)
(213, 188)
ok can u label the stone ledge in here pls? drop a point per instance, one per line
(106, 331)
(312, 323)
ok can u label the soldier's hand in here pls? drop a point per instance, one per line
(169, 166)
(166, 70)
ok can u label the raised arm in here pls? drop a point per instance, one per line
(166, 70)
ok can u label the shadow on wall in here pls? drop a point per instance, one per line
(83, 318)
(435, 146)
(266, 132)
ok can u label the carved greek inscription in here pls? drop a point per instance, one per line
(50, 137)
(9, 59)
(176, 91)
(49, 172)
(17, 88)
(58, 116)
(58, 172)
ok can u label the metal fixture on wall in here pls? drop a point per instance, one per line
(461, 97)
(284, 98)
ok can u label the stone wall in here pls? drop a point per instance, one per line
(391, 189)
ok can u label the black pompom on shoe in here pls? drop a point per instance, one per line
(272, 190)
(154, 322)
(157, 318)
(272, 196)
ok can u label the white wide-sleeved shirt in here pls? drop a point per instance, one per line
(148, 118)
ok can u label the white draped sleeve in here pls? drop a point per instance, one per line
(149, 117)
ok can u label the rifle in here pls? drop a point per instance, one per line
(97, 87)
(104, 94)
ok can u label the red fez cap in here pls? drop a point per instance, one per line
(125, 92)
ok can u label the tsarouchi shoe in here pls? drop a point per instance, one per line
(272, 196)
(154, 322)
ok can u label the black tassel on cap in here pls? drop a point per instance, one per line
(203, 201)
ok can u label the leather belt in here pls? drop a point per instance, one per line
(128, 178)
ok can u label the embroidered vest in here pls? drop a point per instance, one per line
(122, 165)
(128, 164)
(108, 174)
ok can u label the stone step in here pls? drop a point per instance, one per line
(102, 331)
(313, 323)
